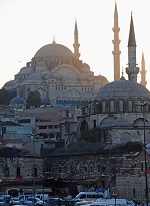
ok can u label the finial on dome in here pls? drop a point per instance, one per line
(53, 40)
(122, 77)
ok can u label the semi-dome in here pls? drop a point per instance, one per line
(53, 50)
(26, 70)
(122, 89)
(10, 84)
(18, 101)
(121, 122)
(107, 122)
(35, 76)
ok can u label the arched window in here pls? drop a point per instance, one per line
(85, 168)
(103, 107)
(98, 168)
(121, 106)
(130, 106)
(112, 106)
(107, 107)
(103, 168)
(6, 171)
(91, 168)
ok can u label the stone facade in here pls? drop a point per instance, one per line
(18, 170)
(102, 166)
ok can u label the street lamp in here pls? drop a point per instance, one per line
(34, 176)
(143, 105)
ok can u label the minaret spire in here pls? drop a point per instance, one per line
(76, 43)
(143, 71)
(132, 70)
(116, 43)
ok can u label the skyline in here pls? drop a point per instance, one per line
(26, 27)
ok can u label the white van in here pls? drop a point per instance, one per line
(109, 202)
(89, 196)
(44, 197)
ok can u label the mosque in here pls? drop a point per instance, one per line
(121, 109)
(58, 75)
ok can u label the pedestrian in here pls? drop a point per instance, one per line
(59, 202)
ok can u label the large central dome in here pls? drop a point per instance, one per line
(122, 89)
(53, 50)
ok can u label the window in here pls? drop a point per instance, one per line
(24, 121)
(142, 166)
(91, 168)
(94, 122)
(6, 171)
(98, 168)
(42, 127)
(103, 168)
(50, 126)
(18, 171)
(85, 169)
(35, 172)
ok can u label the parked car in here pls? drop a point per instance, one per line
(14, 201)
(7, 198)
(83, 203)
(2, 202)
(23, 197)
(36, 201)
(52, 201)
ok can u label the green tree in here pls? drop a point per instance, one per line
(34, 99)
(4, 97)
(92, 135)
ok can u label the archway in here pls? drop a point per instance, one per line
(13, 192)
(84, 126)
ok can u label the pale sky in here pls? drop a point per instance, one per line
(27, 25)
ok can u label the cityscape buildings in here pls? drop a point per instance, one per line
(120, 109)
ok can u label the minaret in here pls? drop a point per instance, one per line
(116, 43)
(143, 72)
(132, 70)
(76, 44)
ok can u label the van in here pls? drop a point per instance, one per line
(89, 196)
(109, 202)
(44, 197)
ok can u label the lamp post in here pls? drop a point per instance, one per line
(34, 176)
(143, 105)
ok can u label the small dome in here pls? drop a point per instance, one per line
(102, 78)
(35, 76)
(26, 70)
(10, 84)
(85, 65)
(122, 89)
(107, 122)
(17, 101)
(119, 122)
(53, 50)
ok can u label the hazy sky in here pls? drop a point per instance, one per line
(27, 25)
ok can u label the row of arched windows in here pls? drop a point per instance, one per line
(116, 106)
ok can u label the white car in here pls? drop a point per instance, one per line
(14, 201)
(34, 201)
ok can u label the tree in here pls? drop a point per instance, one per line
(4, 97)
(34, 99)
(92, 135)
